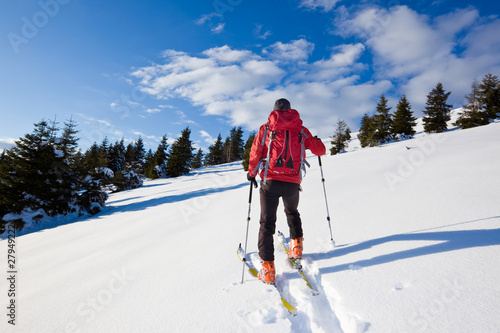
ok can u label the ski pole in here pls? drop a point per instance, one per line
(326, 201)
(248, 222)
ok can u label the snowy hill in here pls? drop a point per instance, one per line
(417, 236)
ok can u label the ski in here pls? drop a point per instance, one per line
(254, 272)
(296, 263)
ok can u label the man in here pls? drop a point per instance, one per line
(281, 178)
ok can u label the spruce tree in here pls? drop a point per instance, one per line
(403, 120)
(31, 159)
(197, 159)
(130, 153)
(473, 114)
(340, 139)
(367, 131)
(68, 142)
(489, 91)
(139, 151)
(116, 158)
(248, 148)
(236, 148)
(104, 152)
(226, 150)
(161, 157)
(382, 122)
(70, 177)
(437, 111)
(181, 155)
(42, 178)
(8, 194)
(95, 159)
(215, 153)
(150, 165)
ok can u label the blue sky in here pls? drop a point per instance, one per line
(124, 69)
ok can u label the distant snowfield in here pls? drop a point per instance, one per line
(417, 235)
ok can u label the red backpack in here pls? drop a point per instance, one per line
(286, 149)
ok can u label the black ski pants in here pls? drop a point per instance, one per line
(270, 194)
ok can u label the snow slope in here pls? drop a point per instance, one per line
(417, 236)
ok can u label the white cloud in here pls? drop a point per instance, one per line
(242, 86)
(154, 110)
(342, 61)
(226, 54)
(183, 119)
(419, 52)
(207, 137)
(259, 34)
(146, 136)
(218, 28)
(6, 144)
(166, 106)
(327, 5)
(207, 17)
(297, 50)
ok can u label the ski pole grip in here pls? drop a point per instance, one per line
(319, 159)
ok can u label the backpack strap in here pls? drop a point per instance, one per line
(303, 162)
(262, 160)
(267, 159)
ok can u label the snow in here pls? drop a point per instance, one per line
(417, 235)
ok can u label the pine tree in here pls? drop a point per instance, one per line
(367, 131)
(68, 173)
(437, 111)
(161, 157)
(489, 91)
(95, 159)
(236, 148)
(181, 155)
(130, 153)
(197, 159)
(32, 158)
(104, 151)
(8, 194)
(226, 150)
(150, 165)
(42, 177)
(403, 120)
(116, 158)
(68, 142)
(248, 148)
(139, 151)
(340, 139)
(473, 114)
(215, 153)
(382, 122)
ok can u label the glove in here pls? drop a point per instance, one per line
(252, 180)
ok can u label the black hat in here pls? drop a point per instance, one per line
(282, 104)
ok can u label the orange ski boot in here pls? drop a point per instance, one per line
(295, 248)
(267, 273)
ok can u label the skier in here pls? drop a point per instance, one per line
(281, 177)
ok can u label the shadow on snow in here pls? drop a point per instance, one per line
(448, 241)
(135, 206)
(141, 205)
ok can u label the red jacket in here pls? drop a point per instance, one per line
(259, 151)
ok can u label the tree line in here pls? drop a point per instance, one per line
(483, 106)
(45, 174)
